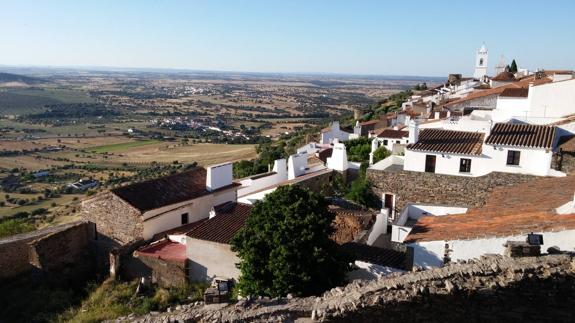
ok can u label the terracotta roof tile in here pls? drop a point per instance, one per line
(179, 230)
(504, 77)
(230, 218)
(164, 249)
(515, 93)
(522, 135)
(449, 141)
(391, 133)
(527, 207)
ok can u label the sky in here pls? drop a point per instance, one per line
(407, 37)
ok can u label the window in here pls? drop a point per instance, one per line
(465, 165)
(185, 218)
(385, 142)
(481, 62)
(397, 141)
(513, 157)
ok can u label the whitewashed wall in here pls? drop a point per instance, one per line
(169, 217)
(508, 107)
(552, 100)
(430, 253)
(210, 259)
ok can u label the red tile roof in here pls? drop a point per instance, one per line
(395, 134)
(523, 208)
(522, 135)
(164, 191)
(448, 141)
(504, 77)
(230, 218)
(164, 249)
(515, 93)
(184, 229)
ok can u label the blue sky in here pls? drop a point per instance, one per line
(431, 38)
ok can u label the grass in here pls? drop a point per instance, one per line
(26, 101)
(12, 227)
(113, 299)
(64, 199)
(121, 146)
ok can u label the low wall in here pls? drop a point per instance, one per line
(419, 187)
(492, 289)
(165, 273)
(64, 249)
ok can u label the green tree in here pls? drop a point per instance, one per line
(513, 68)
(380, 154)
(285, 246)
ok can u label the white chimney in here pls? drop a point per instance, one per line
(219, 176)
(280, 167)
(338, 159)
(297, 165)
(413, 131)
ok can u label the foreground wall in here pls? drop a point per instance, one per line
(418, 187)
(493, 289)
(60, 251)
(209, 259)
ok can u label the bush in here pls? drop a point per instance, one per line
(380, 153)
(14, 226)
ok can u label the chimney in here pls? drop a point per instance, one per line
(219, 176)
(436, 116)
(280, 167)
(338, 159)
(413, 131)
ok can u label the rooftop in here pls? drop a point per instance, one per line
(448, 141)
(164, 191)
(522, 135)
(523, 208)
(391, 133)
(504, 76)
(515, 93)
(374, 255)
(164, 249)
(230, 218)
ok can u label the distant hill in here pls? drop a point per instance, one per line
(16, 78)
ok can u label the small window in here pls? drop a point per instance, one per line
(481, 62)
(397, 141)
(385, 142)
(185, 218)
(465, 165)
(513, 157)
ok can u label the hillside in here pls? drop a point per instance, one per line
(18, 79)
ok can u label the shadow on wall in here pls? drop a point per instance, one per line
(423, 257)
(530, 300)
(198, 272)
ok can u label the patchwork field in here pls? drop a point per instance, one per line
(121, 146)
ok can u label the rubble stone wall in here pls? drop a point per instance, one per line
(492, 289)
(165, 273)
(419, 187)
(114, 218)
(64, 249)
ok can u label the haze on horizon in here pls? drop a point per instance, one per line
(369, 37)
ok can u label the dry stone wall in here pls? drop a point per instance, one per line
(419, 187)
(492, 289)
(114, 218)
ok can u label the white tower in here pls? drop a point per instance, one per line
(500, 68)
(481, 63)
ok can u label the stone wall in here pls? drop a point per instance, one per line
(318, 184)
(419, 187)
(564, 162)
(65, 249)
(491, 289)
(165, 273)
(114, 218)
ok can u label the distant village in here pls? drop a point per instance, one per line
(476, 166)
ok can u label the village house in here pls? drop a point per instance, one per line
(545, 207)
(510, 148)
(329, 134)
(390, 139)
(139, 211)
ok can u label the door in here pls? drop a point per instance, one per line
(430, 163)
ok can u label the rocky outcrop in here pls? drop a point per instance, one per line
(494, 288)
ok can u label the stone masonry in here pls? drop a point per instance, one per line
(493, 288)
(103, 210)
(419, 187)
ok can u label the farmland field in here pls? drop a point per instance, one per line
(121, 146)
(26, 101)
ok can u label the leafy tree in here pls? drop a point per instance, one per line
(285, 246)
(380, 154)
(358, 149)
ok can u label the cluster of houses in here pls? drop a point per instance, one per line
(522, 124)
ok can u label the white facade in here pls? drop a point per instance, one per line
(430, 253)
(169, 217)
(297, 165)
(209, 259)
(219, 176)
(532, 161)
(335, 132)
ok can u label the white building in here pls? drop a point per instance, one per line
(389, 138)
(509, 148)
(328, 135)
(545, 206)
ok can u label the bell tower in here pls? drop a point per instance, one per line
(481, 63)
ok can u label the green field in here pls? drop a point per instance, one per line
(27, 101)
(121, 146)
